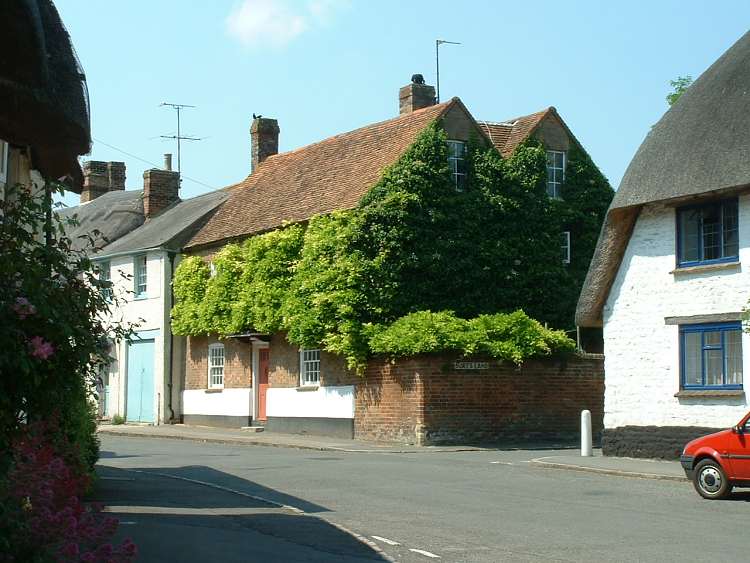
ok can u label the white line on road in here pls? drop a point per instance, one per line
(425, 553)
(386, 540)
(502, 462)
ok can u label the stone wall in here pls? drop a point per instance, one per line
(426, 400)
(661, 442)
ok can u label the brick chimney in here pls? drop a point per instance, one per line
(264, 140)
(101, 177)
(116, 175)
(416, 95)
(160, 190)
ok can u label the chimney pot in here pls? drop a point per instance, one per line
(168, 161)
(160, 190)
(264, 140)
(415, 95)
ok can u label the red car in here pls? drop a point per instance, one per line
(718, 462)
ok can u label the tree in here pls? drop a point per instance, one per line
(679, 85)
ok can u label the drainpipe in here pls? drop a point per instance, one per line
(168, 323)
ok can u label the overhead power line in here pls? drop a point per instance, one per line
(131, 155)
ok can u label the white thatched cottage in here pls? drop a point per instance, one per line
(671, 273)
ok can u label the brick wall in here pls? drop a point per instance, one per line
(237, 362)
(426, 401)
(389, 402)
(283, 366)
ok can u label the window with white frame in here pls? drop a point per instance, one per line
(3, 162)
(457, 163)
(555, 173)
(105, 275)
(566, 247)
(215, 366)
(140, 278)
(309, 364)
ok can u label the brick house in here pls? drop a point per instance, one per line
(669, 280)
(252, 377)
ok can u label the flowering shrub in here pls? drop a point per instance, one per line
(41, 515)
(54, 342)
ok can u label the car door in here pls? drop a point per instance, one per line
(738, 451)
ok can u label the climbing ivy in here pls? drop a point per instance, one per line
(414, 243)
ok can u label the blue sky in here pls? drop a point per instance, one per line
(322, 67)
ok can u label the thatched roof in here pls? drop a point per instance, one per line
(42, 88)
(700, 146)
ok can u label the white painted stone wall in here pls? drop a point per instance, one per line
(151, 312)
(323, 402)
(641, 351)
(229, 402)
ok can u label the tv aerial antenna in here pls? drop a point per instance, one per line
(179, 137)
(439, 42)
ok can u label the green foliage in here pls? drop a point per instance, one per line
(586, 195)
(414, 243)
(508, 336)
(269, 263)
(118, 419)
(55, 338)
(678, 88)
(190, 282)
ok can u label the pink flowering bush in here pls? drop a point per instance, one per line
(42, 517)
(54, 342)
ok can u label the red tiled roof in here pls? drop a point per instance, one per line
(506, 136)
(329, 175)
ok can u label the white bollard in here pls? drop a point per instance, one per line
(586, 448)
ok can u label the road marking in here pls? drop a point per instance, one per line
(116, 479)
(220, 488)
(386, 540)
(425, 553)
(502, 462)
(126, 523)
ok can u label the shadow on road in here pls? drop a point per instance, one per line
(180, 520)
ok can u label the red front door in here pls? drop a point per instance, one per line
(262, 382)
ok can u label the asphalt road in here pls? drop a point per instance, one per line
(458, 506)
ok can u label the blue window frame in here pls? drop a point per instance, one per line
(711, 356)
(707, 233)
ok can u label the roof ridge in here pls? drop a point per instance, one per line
(371, 125)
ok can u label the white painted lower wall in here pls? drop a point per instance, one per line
(229, 402)
(642, 368)
(323, 402)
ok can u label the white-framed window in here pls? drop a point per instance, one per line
(3, 162)
(215, 366)
(105, 275)
(555, 173)
(140, 275)
(309, 367)
(565, 247)
(457, 163)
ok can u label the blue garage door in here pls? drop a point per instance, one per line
(140, 383)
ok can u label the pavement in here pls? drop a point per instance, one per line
(567, 460)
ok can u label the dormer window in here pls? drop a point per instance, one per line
(555, 173)
(707, 233)
(457, 163)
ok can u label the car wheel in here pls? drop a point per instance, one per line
(710, 480)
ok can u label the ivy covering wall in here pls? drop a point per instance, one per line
(413, 244)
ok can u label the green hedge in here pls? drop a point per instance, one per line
(507, 336)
